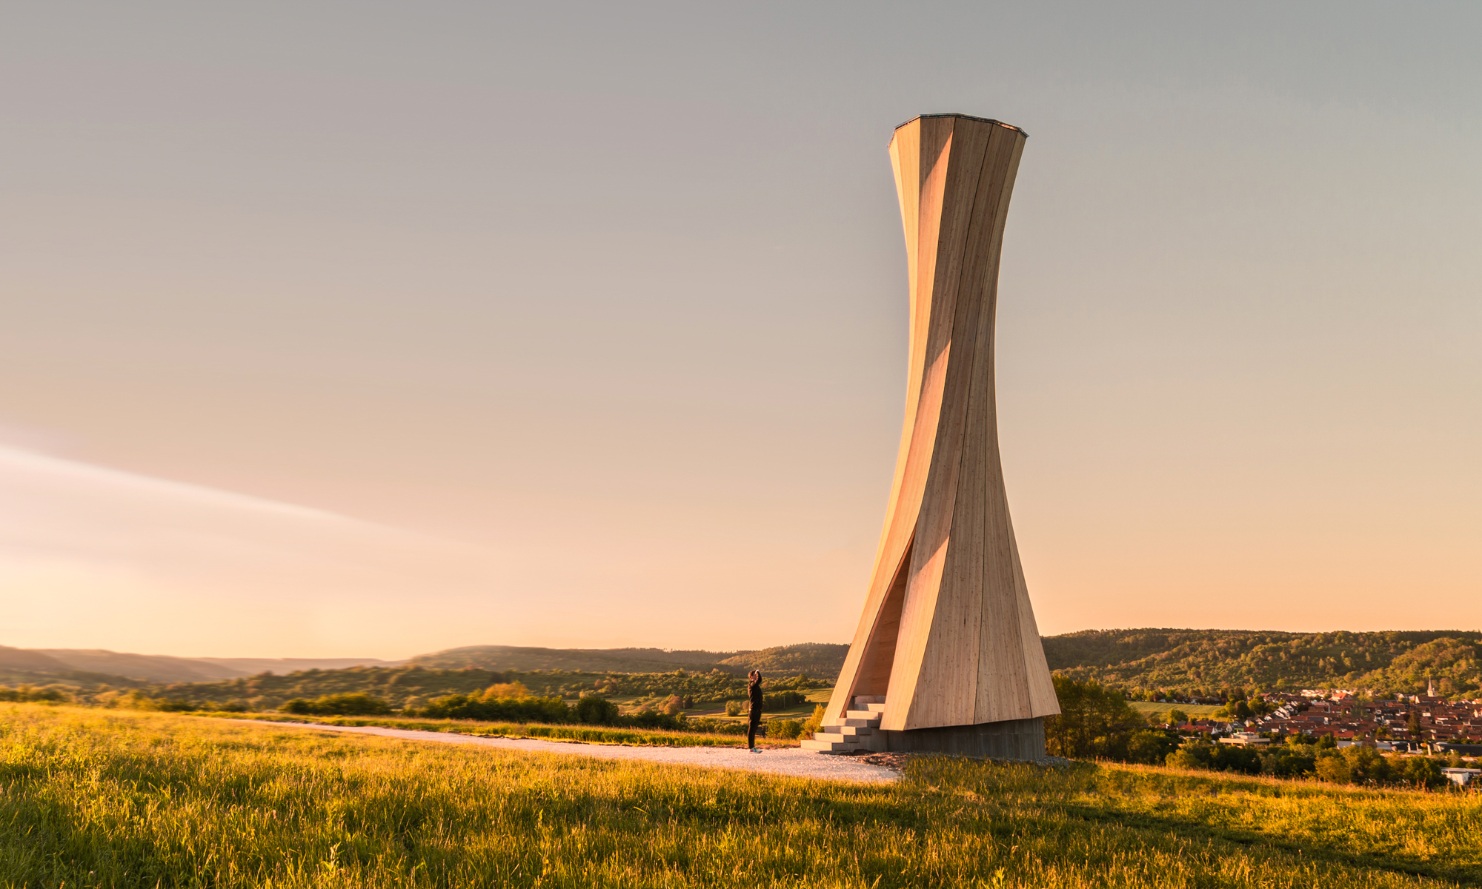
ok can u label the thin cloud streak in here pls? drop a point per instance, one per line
(100, 556)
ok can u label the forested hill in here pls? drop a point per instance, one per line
(819, 660)
(1146, 662)
(1206, 662)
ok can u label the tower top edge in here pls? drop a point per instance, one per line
(988, 120)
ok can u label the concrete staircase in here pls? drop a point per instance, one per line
(857, 732)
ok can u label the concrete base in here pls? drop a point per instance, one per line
(1017, 739)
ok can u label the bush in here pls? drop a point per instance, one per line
(651, 718)
(735, 708)
(33, 694)
(1333, 768)
(1151, 746)
(1215, 757)
(526, 709)
(596, 710)
(1420, 771)
(348, 704)
(1193, 755)
(1366, 765)
(1286, 762)
(783, 700)
(814, 722)
(787, 729)
(506, 690)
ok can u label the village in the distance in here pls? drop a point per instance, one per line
(1422, 724)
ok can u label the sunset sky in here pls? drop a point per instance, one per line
(369, 329)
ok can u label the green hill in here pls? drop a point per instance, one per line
(818, 660)
(1144, 662)
(268, 691)
(1206, 662)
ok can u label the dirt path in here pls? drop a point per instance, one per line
(790, 761)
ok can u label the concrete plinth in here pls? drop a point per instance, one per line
(1015, 739)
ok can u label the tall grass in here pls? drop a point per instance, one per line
(590, 734)
(106, 798)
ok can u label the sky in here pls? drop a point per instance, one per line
(370, 329)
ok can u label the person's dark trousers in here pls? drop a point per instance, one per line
(751, 726)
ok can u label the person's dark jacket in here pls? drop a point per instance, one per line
(754, 691)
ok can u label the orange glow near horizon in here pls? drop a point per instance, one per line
(345, 338)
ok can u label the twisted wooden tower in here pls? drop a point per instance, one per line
(947, 656)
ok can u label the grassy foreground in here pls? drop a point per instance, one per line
(107, 798)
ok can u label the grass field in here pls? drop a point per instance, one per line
(591, 734)
(109, 798)
(1195, 711)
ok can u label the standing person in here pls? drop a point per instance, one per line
(754, 692)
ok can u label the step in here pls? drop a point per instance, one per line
(868, 699)
(833, 737)
(865, 715)
(873, 708)
(828, 746)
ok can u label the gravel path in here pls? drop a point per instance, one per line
(791, 761)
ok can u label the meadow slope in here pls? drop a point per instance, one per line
(108, 798)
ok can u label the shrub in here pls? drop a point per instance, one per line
(1333, 768)
(734, 708)
(1420, 771)
(783, 700)
(476, 706)
(347, 704)
(1151, 746)
(814, 722)
(672, 706)
(1202, 754)
(1366, 765)
(596, 710)
(1193, 755)
(1286, 762)
(651, 718)
(506, 690)
(787, 729)
(33, 694)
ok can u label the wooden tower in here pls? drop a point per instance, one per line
(947, 656)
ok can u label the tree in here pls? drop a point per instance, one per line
(1333, 768)
(814, 722)
(506, 690)
(1421, 771)
(1094, 721)
(1150, 746)
(595, 709)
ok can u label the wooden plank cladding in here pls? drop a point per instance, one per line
(948, 634)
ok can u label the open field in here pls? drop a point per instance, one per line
(106, 798)
(1195, 711)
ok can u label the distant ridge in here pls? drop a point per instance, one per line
(1140, 661)
(820, 660)
(51, 664)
